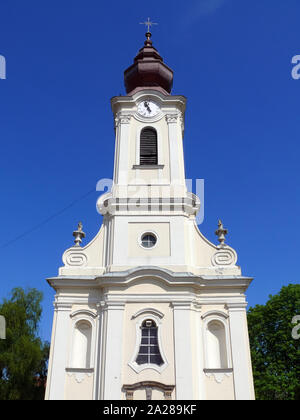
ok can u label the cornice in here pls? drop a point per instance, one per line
(129, 102)
(108, 204)
(236, 306)
(125, 278)
(62, 306)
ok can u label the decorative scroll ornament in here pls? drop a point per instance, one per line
(225, 256)
(75, 259)
(78, 234)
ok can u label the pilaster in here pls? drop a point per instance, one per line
(112, 368)
(183, 350)
(99, 352)
(122, 148)
(175, 150)
(59, 350)
(240, 349)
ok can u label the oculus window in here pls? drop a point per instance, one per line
(148, 240)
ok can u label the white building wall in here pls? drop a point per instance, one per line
(185, 277)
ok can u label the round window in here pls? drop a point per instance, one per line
(148, 240)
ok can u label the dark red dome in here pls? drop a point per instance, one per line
(148, 71)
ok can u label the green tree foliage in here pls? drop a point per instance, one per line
(275, 354)
(23, 356)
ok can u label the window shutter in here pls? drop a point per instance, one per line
(148, 147)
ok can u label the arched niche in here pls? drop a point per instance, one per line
(81, 346)
(217, 357)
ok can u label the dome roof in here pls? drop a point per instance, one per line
(148, 71)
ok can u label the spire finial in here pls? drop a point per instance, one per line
(78, 234)
(148, 70)
(221, 233)
(148, 23)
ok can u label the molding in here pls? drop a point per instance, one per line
(98, 282)
(186, 205)
(182, 305)
(81, 312)
(62, 306)
(148, 385)
(125, 278)
(113, 305)
(80, 373)
(172, 118)
(236, 306)
(218, 374)
(122, 119)
(148, 167)
(152, 384)
(152, 311)
(163, 100)
(215, 313)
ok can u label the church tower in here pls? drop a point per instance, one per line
(149, 309)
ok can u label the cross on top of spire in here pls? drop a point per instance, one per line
(148, 23)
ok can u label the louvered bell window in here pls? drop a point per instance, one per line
(149, 349)
(148, 147)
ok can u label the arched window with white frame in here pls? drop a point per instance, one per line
(149, 352)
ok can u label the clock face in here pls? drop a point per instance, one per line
(148, 108)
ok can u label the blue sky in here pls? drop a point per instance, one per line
(231, 59)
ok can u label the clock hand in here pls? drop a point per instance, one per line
(147, 106)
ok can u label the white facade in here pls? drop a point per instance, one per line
(190, 290)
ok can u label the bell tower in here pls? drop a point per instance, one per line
(149, 309)
(149, 198)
